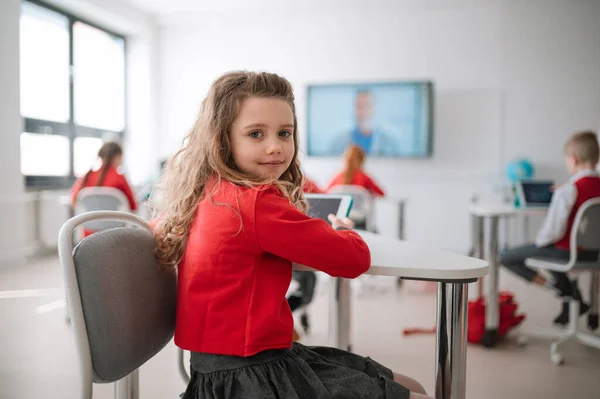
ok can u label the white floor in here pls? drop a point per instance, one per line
(37, 358)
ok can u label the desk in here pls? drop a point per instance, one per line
(391, 257)
(488, 249)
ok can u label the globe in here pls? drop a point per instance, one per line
(520, 169)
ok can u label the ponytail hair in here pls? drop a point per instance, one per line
(107, 153)
(354, 158)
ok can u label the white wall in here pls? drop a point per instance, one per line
(512, 78)
(12, 235)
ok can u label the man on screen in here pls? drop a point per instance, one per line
(371, 140)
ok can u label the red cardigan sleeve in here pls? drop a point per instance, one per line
(374, 188)
(124, 186)
(284, 231)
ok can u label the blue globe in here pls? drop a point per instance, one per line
(520, 169)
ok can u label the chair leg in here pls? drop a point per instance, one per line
(589, 339)
(592, 318)
(560, 337)
(571, 333)
(128, 386)
(572, 327)
(183, 367)
(304, 320)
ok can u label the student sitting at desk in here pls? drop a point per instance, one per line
(354, 159)
(581, 157)
(106, 175)
(232, 222)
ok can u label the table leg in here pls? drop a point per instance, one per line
(400, 232)
(451, 344)
(128, 387)
(477, 236)
(401, 220)
(491, 315)
(339, 314)
(477, 246)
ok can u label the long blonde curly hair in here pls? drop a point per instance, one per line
(206, 153)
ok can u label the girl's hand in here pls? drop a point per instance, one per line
(337, 222)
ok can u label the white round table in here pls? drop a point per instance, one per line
(488, 249)
(392, 257)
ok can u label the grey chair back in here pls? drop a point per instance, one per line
(101, 199)
(128, 301)
(587, 225)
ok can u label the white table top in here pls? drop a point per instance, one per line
(496, 209)
(392, 257)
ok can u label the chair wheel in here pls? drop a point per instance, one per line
(555, 356)
(304, 322)
(522, 340)
(490, 338)
(592, 321)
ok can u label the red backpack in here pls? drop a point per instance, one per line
(508, 317)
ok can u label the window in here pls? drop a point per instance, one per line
(85, 150)
(72, 94)
(44, 154)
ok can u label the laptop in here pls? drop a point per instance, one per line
(535, 193)
(321, 205)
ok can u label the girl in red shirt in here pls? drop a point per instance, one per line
(354, 159)
(232, 221)
(111, 155)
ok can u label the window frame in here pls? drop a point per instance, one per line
(69, 128)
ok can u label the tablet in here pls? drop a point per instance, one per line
(535, 193)
(321, 205)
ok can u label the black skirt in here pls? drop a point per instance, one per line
(298, 373)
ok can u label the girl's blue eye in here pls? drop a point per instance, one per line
(285, 133)
(255, 134)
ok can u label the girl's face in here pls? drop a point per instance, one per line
(262, 137)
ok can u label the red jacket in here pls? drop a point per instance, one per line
(237, 267)
(111, 179)
(310, 186)
(587, 188)
(359, 178)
